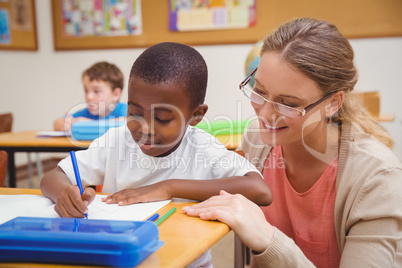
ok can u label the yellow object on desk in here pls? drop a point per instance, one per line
(231, 141)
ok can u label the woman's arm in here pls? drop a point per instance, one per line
(270, 247)
(373, 224)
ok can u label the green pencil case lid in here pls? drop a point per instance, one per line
(224, 127)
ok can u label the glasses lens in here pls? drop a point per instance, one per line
(286, 110)
(254, 97)
(280, 108)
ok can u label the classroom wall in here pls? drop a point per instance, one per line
(39, 86)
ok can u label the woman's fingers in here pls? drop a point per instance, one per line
(244, 217)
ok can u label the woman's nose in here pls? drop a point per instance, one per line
(268, 111)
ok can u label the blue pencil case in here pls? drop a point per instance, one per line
(78, 241)
(90, 130)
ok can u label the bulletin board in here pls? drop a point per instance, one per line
(18, 25)
(355, 19)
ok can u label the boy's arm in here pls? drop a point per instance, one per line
(251, 185)
(66, 196)
(64, 123)
(54, 183)
(58, 124)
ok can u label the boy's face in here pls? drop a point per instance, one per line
(158, 116)
(100, 97)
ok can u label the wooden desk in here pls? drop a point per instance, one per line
(390, 117)
(26, 141)
(186, 238)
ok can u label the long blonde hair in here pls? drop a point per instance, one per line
(318, 50)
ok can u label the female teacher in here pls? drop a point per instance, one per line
(337, 187)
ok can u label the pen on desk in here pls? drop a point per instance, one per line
(164, 217)
(77, 175)
(153, 217)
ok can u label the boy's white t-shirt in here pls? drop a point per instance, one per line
(118, 163)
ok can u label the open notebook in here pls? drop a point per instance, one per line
(12, 206)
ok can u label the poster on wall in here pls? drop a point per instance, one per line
(101, 18)
(4, 27)
(199, 15)
(18, 25)
(21, 15)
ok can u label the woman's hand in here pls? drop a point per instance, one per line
(70, 203)
(155, 192)
(244, 217)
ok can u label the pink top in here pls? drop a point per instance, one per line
(307, 218)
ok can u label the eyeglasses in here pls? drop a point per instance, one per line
(280, 108)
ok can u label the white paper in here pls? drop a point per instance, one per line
(12, 206)
(52, 134)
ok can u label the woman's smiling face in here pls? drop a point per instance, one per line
(277, 81)
(157, 116)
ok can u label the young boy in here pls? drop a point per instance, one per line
(159, 154)
(103, 83)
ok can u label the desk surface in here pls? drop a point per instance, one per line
(29, 139)
(182, 243)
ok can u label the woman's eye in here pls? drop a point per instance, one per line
(289, 104)
(256, 90)
(260, 92)
(135, 115)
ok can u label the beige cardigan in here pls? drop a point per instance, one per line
(368, 205)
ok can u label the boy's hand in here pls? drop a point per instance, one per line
(71, 204)
(155, 192)
(68, 120)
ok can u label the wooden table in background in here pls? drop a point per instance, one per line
(186, 238)
(27, 141)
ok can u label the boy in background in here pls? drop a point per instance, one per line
(159, 154)
(103, 83)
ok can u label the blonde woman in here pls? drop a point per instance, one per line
(337, 186)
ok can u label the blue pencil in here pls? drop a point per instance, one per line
(77, 175)
(153, 217)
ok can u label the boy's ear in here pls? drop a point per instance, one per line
(116, 94)
(198, 114)
(335, 104)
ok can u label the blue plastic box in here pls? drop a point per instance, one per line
(90, 130)
(78, 241)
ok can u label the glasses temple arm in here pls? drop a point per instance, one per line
(247, 79)
(311, 106)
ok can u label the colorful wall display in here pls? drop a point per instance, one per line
(200, 15)
(101, 18)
